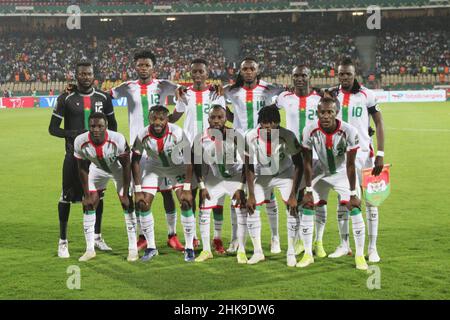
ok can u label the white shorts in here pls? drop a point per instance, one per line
(218, 189)
(164, 184)
(264, 186)
(152, 177)
(338, 182)
(363, 161)
(98, 179)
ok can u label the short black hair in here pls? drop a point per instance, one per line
(326, 100)
(200, 60)
(98, 115)
(269, 114)
(83, 63)
(145, 54)
(159, 108)
(346, 61)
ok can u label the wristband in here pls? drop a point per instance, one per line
(380, 153)
(201, 185)
(308, 189)
(138, 188)
(241, 186)
(187, 187)
(353, 193)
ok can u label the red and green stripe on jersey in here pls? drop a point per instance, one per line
(249, 107)
(99, 152)
(345, 104)
(330, 155)
(144, 103)
(199, 110)
(87, 110)
(302, 116)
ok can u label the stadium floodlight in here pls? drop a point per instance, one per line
(105, 19)
(357, 13)
(171, 18)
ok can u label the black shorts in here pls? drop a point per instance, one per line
(71, 184)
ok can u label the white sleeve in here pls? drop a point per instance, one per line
(352, 140)
(281, 101)
(77, 149)
(122, 147)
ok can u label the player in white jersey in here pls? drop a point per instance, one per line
(141, 95)
(164, 143)
(195, 103)
(248, 95)
(301, 109)
(219, 168)
(358, 105)
(273, 160)
(336, 144)
(102, 155)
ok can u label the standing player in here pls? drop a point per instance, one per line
(196, 103)
(273, 160)
(141, 95)
(301, 110)
(248, 95)
(358, 105)
(163, 143)
(336, 144)
(75, 107)
(101, 155)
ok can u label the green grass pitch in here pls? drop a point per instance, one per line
(414, 233)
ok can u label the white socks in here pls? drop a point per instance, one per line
(242, 217)
(130, 222)
(359, 230)
(272, 213)
(188, 222)
(343, 225)
(254, 229)
(372, 226)
(320, 221)
(88, 226)
(293, 225)
(171, 219)
(307, 228)
(147, 228)
(204, 226)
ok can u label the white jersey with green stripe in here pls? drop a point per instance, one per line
(300, 110)
(196, 110)
(247, 102)
(355, 110)
(162, 152)
(104, 156)
(222, 156)
(331, 148)
(271, 156)
(140, 98)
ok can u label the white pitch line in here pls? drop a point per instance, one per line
(419, 130)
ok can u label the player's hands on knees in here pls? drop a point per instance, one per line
(204, 194)
(308, 200)
(186, 198)
(251, 204)
(139, 198)
(88, 201)
(292, 205)
(379, 164)
(239, 197)
(180, 93)
(124, 201)
(354, 203)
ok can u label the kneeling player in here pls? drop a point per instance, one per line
(220, 176)
(271, 160)
(163, 143)
(336, 144)
(109, 157)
